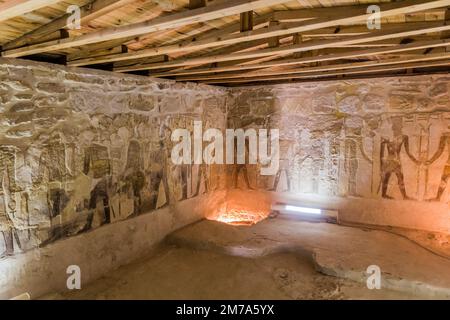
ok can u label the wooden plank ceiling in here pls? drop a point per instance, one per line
(233, 42)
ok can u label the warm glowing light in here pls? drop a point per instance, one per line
(241, 217)
(303, 210)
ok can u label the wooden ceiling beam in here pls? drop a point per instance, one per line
(306, 46)
(195, 4)
(15, 8)
(246, 21)
(214, 11)
(330, 67)
(102, 52)
(336, 17)
(88, 12)
(170, 48)
(302, 14)
(322, 74)
(349, 54)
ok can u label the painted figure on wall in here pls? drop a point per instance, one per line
(444, 142)
(158, 173)
(97, 165)
(284, 165)
(354, 145)
(202, 175)
(7, 230)
(238, 168)
(390, 162)
(351, 165)
(53, 174)
(7, 203)
(134, 176)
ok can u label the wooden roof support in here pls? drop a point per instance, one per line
(214, 11)
(195, 4)
(307, 46)
(339, 16)
(16, 8)
(88, 12)
(259, 21)
(305, 60)
(171, 48)
(275, 41)
(329, 67)
(246, 20)
(297, 39)
(101, 52)
(361, 71)
(446, 34)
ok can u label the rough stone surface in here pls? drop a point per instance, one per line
(80, 149)
(194, 275)
(98, 253)
(384, 140)
(338, 251)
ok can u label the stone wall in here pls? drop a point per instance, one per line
(81, 148)
(376, 149)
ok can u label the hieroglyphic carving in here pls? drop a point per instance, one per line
(390, 158)
(443, 143)
(7, 202)
(358, 138)
(82, 158)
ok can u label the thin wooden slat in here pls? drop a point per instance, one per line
(361, 71)
(15, 8)
(332, 67)
(246, 20)
(195, 4)
(88, 12)
(328, 57)
(99, 53)
(214, 11)
(145, 53)
(340, 17)
(311, 45)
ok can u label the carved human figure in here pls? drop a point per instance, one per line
(159, 175)
(133, 174)
(238, 168)
(390, 162)
(307, 156)
(185, 170)
(202, 173)
(52, 162)
(354, 143)
(284, 165)
(52, 168)
(7, 203)
(97, 165)
(443, 142)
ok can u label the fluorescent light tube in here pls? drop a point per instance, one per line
(303, 209)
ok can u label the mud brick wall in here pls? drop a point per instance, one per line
(80, 149)
(377, 149)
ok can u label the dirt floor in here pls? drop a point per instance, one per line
(274, 259)
(182, 273)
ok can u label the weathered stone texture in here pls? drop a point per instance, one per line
(383, 138)
(80, 149)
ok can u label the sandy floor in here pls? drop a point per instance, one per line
(274, 260)
(182, 273)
